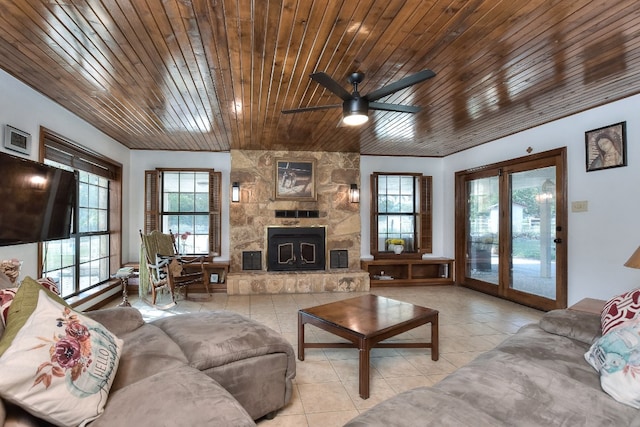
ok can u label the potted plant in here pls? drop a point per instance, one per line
(395, 245)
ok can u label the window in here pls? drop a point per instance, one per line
(186, 203)
(401, 213)
(87, 258)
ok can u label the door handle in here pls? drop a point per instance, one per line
(557, 240)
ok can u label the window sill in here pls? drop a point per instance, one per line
(87, 296)
(392, 255)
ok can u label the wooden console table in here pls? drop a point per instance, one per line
(219, 268)
(430, 271)
(213, 270)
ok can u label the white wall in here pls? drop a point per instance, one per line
(423, 165)
(601, 239)
(27, 110)
(149, 160)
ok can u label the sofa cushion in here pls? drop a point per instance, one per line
(261, 384)
(535, 378)
(147, 350)
(178, 397)
(616, 356)
(620, 309)
(555, 353)
(577, 325)
(119, 320)
(57, 363)
(246, 357)
(236, 337)
(424, 406)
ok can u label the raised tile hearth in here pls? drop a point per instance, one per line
(262, 282)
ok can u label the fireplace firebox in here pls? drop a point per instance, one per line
(296, 248)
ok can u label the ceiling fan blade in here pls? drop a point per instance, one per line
(325, 80)
(394, 107)
(319, 107)
(400, 84)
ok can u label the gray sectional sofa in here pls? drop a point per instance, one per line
(214, 368)
(537, 377)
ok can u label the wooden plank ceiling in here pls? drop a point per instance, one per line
(214, 75)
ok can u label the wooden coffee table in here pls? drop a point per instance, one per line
(366, 321)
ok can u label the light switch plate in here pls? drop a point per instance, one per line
(580, 206)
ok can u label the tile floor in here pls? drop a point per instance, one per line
(326, 385)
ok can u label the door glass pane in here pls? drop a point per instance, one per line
(533, 223)
(482, 242)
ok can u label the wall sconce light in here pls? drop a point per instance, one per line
(354, 194)
(235, 192)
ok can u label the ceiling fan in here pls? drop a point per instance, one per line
(355, 108)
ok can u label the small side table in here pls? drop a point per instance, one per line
(589, 305)
(124, 274)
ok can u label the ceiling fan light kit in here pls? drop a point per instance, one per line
(355, 119)
(355, 108)
(355, 112)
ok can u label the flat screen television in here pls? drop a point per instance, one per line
(37, 201)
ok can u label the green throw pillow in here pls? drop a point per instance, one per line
(21, 308)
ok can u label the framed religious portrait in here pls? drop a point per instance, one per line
(17, 140)
(295, 179)
(606, 147)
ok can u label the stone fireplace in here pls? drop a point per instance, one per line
(293, 262)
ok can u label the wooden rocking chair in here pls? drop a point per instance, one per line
(165, 266)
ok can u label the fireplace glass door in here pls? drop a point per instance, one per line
(296, 248)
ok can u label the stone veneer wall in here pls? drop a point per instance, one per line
(249, 219)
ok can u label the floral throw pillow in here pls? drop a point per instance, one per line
(56, 363)
(620, 309)
(616, 356)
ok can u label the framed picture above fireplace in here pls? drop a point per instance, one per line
(295, 179)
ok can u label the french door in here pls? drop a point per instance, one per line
(511, 230)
